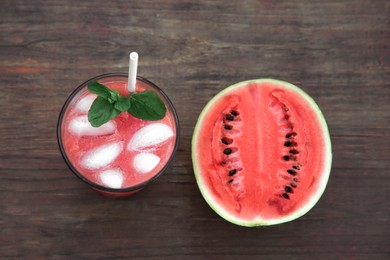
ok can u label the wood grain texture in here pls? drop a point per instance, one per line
(337, 51)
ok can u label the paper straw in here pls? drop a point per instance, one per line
(133, 64)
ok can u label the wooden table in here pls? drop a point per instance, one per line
(337, 51)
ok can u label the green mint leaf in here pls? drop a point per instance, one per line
(114, 96)
(122, 104)
(147, 105)
(101, 112)
(100, 90)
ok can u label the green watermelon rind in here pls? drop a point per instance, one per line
(259, 221)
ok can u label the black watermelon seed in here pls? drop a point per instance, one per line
(229, 117)
(296, 167)
(295, 179)
(289, 135)
(230, 181)
(285, 195)
(294, 151)
(232, 172)
(293, 185)
(288, 144)
(286, 157)
(223, 163)
(226, 140)
(228, 127)
(288, 189)
(234, 113)
(227, 151)
(292, 172)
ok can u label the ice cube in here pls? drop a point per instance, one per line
(145, 162)
(150, 135)
(112, 178)
(80, 126)
(85, 103)
(101, 156)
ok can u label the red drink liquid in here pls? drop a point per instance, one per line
(125, 154)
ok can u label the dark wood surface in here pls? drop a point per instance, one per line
(337, 51)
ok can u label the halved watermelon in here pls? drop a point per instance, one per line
(261, 153)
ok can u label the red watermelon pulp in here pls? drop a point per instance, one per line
(261, 153)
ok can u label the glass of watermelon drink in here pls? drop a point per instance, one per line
(125, 154)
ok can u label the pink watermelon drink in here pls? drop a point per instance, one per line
(123, 155)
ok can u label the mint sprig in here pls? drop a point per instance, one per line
(145, 105)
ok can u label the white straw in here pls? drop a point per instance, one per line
(133, 64)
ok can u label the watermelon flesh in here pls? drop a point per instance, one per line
(261, 153)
